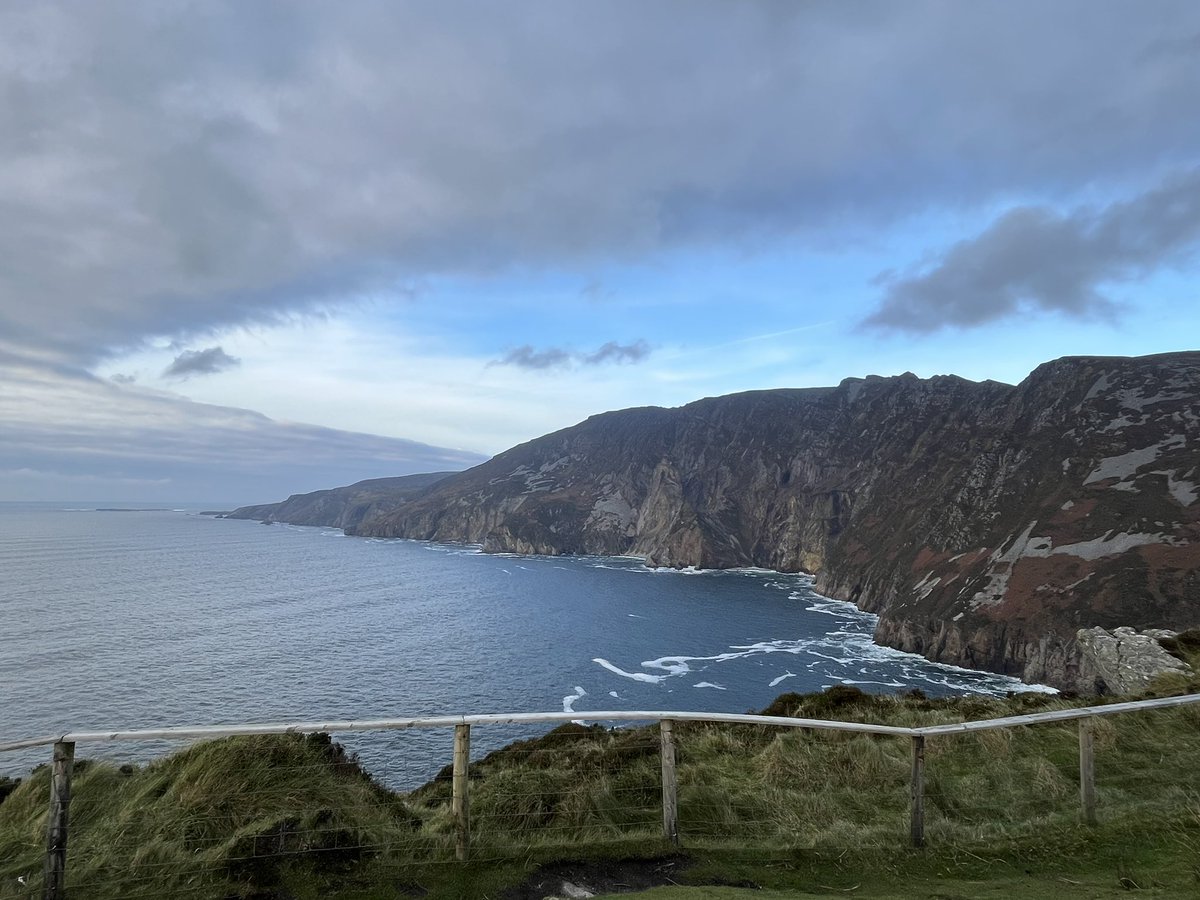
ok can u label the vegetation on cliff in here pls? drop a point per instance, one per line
(343, 507)
(292, 816)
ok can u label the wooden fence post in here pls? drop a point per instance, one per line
(917, 792)
(460, 804)
(1087, 772)
(669, 784)
(54, 874)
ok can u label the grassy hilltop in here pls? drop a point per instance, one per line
(822, 814)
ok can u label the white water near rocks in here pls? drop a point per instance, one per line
(155, 618)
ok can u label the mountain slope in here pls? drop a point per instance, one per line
(343, 507)
(985, 523)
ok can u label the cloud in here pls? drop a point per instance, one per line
(526, 357)
(200, 362)
(171, 170)
(74, 436)
(618, 353)
(595, 290)
(1034, 258)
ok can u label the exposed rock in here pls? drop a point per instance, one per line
(1125, 661)
(573, 891)
(986, 523)
(341, 507)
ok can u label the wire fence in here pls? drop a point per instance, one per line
(256, 806)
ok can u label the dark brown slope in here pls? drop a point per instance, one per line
(985, 523)
(343, 507)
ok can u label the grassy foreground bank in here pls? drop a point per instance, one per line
(824, 814)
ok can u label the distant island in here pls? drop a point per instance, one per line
(999, 527)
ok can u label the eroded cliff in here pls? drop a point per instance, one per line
(985, 523)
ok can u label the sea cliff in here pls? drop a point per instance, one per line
(985, 523)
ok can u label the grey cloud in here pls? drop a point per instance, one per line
(170, 169)
(1036, 258)
(77, 437)
(526, 357)
(618, 353)
(122, 378)
(200, 362)
(594, 290)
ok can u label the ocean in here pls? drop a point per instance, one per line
(131, 619)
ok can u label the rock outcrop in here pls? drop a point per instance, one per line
(343, 507)
(985, 523)
(1124, 661)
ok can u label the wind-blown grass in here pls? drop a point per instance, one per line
(285, 816)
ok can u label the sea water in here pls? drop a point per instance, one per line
(134, 619)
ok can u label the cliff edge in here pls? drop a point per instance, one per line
(985, 523)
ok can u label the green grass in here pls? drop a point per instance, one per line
(812, 813)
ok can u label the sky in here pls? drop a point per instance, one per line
(252, 249)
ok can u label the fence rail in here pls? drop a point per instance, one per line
(63, 745)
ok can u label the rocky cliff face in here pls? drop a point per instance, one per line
(343, 507)
(985, 523)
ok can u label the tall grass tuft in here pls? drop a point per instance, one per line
(295, 816)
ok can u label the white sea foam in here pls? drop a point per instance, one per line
(634, 676)
(785, 675)
(686, 570)
(850, 647)
(672, 665)
(569, 700)
(614, 694)
(708, 684)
